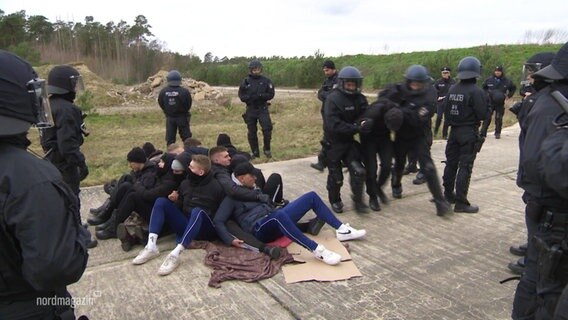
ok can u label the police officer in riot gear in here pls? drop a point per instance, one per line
(531, 90)
(544, 179)
(42, 243)
(465, 109)
(442, 86)
(175, 101)
(256, 90)
(62, 143)
(416, 97)
(498, 88)
(343, 108)
(328, 84)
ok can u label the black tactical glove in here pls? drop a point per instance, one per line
(83, 170)
(366, 126)
(479, 143)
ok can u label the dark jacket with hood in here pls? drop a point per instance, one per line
(203, 192)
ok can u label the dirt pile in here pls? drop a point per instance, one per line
(107, 94)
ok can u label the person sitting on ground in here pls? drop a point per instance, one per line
(171, 171)
(224, 140)
(268, 224)
(190, 217)
(151, 153)
(140, 198)
(193, 146)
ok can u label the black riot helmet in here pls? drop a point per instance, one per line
(469, 68)
(64, 79)
(174, 78)
(350, 74)
(417, 73)
(255, 64)
(558, 68)
(534, 64)
(23, 97)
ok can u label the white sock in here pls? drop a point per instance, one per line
(152, 240)
(343, 228)
(177, 250)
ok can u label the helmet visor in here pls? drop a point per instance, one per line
(37, 90)
(528, 70)
(77, 83)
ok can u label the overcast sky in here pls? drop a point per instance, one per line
(335, 27)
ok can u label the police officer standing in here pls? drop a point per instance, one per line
(175, 102)
(498, 88)
(442, 86)
(531, 90)
(543, 161)
(465, 108)
(256, 90)
(416, 97)
(42, 243)
(328, 84)
(343, 108)
(62, 142)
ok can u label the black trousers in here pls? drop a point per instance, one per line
(541, 286)
(460, 155)
(499, 111)
(348, 153)
(421, 147)
(381, 145)
(439, 119)
(133, 201)
(252, 116)
(175, 124)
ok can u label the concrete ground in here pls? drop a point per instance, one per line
(415, 265)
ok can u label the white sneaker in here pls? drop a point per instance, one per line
(145, 255)
(346, 232)
(327, 256)
(169, 265)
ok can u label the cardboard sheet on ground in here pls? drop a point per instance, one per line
(308, 268)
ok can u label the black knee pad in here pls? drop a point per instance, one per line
(357, 169)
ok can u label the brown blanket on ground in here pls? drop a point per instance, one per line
(230, 263)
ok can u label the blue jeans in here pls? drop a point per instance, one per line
(199, 225)
(283, 221)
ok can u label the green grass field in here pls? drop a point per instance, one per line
(297, 131)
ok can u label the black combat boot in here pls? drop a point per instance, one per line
(318, 166)
(443, 207)
(101, 209)
(337, 207)
(268, 153)
(397, 192)
(255, 154)
(101, 218)
(450, 197)
(374, 204)
(110, 231)
(466, 208)
(520, 250)
(420, 178)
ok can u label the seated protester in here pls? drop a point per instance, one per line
(175, 149)
(170, 173)
(190, 217)
(224, 140)
(193, 146)
(268, 224)
(151, 153)
(153, 156)
(158, 182)
(143, 172)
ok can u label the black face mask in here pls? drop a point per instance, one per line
(178, 178)
(194, 177)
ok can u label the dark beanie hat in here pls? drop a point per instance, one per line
(136, 155)
(328, 64)
(243, 168)
(182, 161)
(223, 139)
(394, 118)
(149, 149)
